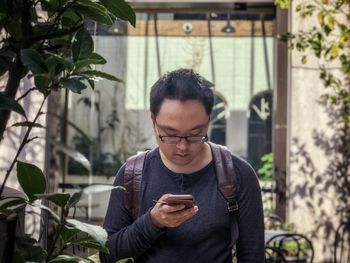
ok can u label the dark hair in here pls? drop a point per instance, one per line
(183, 85)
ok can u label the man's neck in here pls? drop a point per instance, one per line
(199, 162)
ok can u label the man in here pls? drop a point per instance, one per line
(181, 103)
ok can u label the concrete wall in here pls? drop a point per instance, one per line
(312, 199)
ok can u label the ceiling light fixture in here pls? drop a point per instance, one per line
(228, 28)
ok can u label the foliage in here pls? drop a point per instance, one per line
(47, 38)
(28, 248)
(102, 164)
(46, 42)
(292, 248)
(266, 170)
(329, 43)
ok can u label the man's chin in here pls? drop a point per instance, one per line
(182, 159)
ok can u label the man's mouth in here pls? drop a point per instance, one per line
(182, 155)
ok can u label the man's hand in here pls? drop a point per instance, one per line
(164, 215)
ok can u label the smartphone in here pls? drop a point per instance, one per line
(187, 200)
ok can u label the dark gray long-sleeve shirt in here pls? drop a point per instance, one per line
(204, 238)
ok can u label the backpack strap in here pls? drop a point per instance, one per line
(132, 182)
(226, 175)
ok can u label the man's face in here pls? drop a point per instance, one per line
(176, 118)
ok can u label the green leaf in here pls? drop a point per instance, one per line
(335, 51)
(94, 11)
(7, 103)
(27, 124)
(68, 233)
(92, 83)
(330, 22)
(33, 61)
(120, 9)
(96, 232)
(93, 245)
(82, 45)
(93, 59)
(77, 156)
(100, 74)
(125, 260)
(73, 84)
(75, 198)
(42, 82)
(47, 209)
(11, 203)
(68, 258)
(94, 189)
(304, 59)
(283, 4)
(31, 179)
(320, 17)
(59, 199)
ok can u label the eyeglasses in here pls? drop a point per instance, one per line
(176, 139)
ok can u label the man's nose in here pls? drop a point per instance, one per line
(182, 144)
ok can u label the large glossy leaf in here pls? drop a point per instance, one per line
(68, 259)
(42, 82)
(7, 103)
(75, 198)
(31, 179)
(120, 9)
(33, 61)
(99, 74)
(10, 205)
(70, 18)
(47, 209)
(82, 45)
(96, 232)
(77, 156)
(94, 11)
(68, 233)
(93, 245)
(92, 60)
(59, 199)
(99, 188)
(73, 84)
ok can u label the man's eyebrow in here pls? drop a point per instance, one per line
(199, 126)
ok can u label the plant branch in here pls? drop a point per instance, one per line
(58, 233)
(26, 93)
(52, 248)
(23, 143)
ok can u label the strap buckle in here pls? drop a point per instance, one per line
(232, 205)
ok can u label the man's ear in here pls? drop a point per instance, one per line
(153, 117)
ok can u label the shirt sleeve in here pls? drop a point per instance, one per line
(126, 238)
(250, 245)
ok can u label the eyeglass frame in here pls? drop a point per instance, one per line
(203, 138)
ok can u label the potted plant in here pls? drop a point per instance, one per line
(46, 42)
(295, 251)
(289, 247)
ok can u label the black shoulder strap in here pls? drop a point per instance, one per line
(226, 175)
(132, 182)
